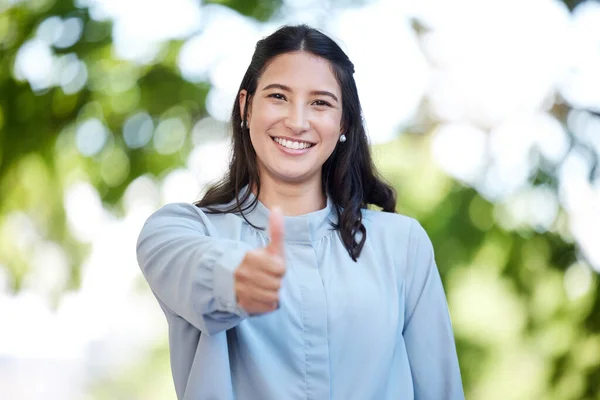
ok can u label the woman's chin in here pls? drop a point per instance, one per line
(293, 176)
(289, 171)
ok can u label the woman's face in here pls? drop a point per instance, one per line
(294, 117)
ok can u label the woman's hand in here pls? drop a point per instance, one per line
(258, 278)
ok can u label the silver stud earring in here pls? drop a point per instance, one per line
(244, 124)
(342, 138)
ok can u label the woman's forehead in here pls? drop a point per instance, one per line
(300, 71)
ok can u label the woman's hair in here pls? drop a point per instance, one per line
(349, 177)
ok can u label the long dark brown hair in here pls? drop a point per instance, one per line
(349, 177)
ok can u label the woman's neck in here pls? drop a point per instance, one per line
(292, 198)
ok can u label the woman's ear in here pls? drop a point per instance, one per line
(242, 100)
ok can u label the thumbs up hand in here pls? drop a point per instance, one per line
(257, 280)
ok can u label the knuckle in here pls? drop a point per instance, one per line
(240, 275)
(272, 268)
(262, 297)
(279, 271)
(280, 264)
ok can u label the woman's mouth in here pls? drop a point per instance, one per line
(292, 144)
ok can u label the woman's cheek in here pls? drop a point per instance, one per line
(330, 123)
(272, 112)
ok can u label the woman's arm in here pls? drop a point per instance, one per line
(190, 272)
(427, 328)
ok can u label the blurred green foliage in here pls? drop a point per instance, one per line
(518, 334)
(260, 10)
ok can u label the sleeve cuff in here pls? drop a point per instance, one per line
(223, 269)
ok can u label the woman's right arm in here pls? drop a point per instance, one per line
(190, 272)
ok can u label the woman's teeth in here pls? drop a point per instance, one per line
(291, 144)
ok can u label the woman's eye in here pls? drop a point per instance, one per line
(321, 103)
(278, 96)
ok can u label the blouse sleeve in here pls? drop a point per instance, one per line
(190, 272)
(427, 329)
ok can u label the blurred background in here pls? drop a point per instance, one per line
(485, 115)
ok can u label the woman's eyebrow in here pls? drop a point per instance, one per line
(277, 86)
(324, 93)
(288, 89)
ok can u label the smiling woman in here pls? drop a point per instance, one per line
(335, 301)
(296, 106)
(300, 87)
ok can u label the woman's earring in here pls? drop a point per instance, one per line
(244, 124)
(342, 138)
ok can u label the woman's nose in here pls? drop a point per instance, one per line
(297, 119)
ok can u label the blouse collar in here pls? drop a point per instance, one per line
(305, 228)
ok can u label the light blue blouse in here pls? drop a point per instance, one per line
(375, 329)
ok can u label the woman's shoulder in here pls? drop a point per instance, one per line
(387, 220)
(189, 214)
(393, 224)
(178, 211)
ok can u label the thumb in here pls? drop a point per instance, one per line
(276, 232)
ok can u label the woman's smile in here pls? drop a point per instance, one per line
(292, 147)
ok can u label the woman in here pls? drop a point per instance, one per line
(333, 301)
